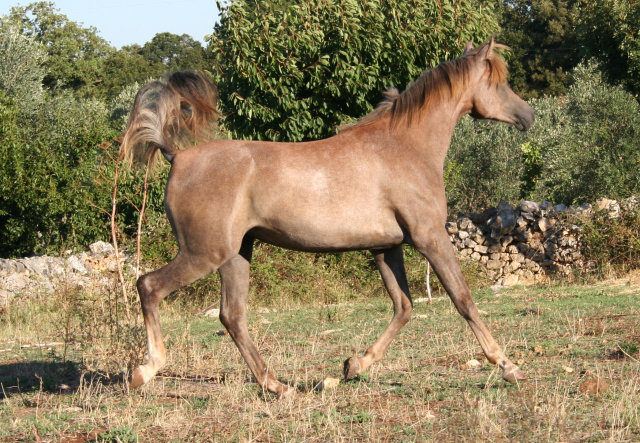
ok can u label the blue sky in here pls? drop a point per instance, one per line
(124, 22)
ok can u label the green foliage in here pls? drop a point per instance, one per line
(21, 67)
(483, 165)
(119, 435)
(612, 241)
(545, 45)
(173, 52)
(582, 147)
(591, 146)
(609, 32)
(296, 70)
(46, 176)
(74, 52)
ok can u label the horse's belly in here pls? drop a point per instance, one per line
(327, 234)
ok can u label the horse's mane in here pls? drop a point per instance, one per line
(449, 79)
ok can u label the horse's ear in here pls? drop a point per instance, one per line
(468, 47)
(488, 49)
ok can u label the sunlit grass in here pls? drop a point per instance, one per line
(62, 363)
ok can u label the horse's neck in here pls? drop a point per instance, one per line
(434, 130)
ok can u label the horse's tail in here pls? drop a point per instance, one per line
(168, 115)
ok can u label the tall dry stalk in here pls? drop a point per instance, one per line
(114, 234)
(141, 217)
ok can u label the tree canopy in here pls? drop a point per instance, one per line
(293, 70)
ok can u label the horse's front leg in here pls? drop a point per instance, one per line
(436, 247)
(234, 276)
(390, 262)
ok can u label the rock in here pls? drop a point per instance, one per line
(546, 206)
(510, 280)
(452, 228)
(102, 248)
(529, 206)
(495, 264)
(544, 224)
(471, 365)
(76, 264)
(327, 383)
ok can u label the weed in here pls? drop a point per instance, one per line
(119, 435)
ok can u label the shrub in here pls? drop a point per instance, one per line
(594, 150)
(612, 242)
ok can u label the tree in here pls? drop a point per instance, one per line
(545, 45)
(295, 70)
(74, 52)
(124, 68)
(21, 67)
(172, 52)
(610, 30)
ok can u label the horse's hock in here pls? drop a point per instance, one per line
(527, 244)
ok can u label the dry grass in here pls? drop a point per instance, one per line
(67, 384)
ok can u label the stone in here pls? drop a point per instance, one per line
(529, 206)
(452, 228)
(465, 224)
(469, 243)
(102, 248)
(495, 264)
(76, 264)
(481, 249)
(506, 240)
(478, 237)
(510, 280)
(544, 224)
(518, 258)
(546, 206)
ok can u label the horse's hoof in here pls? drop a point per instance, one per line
(513, 374)
(138, 378)
(351, 368)
(286, 392)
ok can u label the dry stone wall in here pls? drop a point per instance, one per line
(526, 244)
(42, 275)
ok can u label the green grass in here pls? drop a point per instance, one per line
(62, 362)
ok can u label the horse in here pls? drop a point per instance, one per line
(376, 185)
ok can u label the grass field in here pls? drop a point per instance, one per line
(62, 364)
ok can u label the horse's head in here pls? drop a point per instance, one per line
(491, 97)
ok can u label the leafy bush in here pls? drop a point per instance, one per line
(592, 149)
(612, 241)
(21, 67)
(483, 165)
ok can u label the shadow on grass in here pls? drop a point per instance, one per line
(22, 377)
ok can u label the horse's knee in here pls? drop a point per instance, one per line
(229, 317)
(466, 306)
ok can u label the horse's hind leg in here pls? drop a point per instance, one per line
(391, 265)
(234, 276)
(153, 288)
